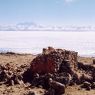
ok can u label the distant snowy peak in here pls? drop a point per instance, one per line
(31, 26)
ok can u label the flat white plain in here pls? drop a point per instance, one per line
(34, 41)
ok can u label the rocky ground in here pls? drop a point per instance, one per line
(14, 80)
(16, 62)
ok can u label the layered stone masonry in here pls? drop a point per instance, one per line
(51, 59)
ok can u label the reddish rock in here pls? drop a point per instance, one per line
(51, 59)
(43, 64)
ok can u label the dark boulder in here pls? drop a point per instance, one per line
(86, 85)
(56, 87)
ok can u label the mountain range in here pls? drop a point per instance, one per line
(30, 26)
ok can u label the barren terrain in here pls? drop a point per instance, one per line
(21, 59)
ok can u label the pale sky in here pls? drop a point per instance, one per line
(48, 12)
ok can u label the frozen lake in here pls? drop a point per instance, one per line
(34, 41)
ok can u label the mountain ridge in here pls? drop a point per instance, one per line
(31, 26)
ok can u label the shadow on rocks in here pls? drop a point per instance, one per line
(27, 76)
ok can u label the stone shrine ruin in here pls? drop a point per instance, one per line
(52, 60)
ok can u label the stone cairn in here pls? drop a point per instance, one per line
(51, 60)
(54, 69)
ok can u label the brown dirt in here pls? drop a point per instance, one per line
(76, 90)
(86, 60)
